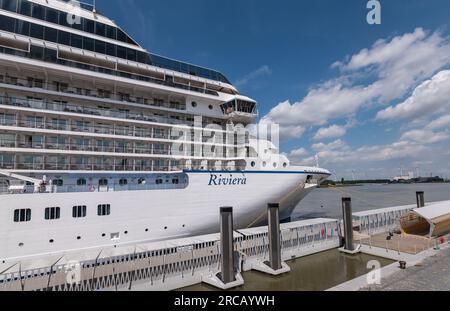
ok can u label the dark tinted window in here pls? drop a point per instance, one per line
(110, 49)
(37, 31)
(64, 38)
(63, 19)
(121, 52)
(100, 46)
(131, 54)
(77, 41)
(51, 16)
(7, 23)
(22, 215)
(89, 25)
(23, 28)
(51, 34)
(100, 29)
(88, 44)
(38, 11)
(111, 32)
(52, 213)
(25, 7)
(9, 5)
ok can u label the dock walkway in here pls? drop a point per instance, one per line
(433, 274)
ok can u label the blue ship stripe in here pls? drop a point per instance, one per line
(254, 172)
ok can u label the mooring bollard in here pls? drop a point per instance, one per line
(274, 236)
(348, 223)
(227, 245)
(420, 197)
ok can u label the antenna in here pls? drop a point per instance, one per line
(94, 10)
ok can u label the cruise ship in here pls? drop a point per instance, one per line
(103, 143)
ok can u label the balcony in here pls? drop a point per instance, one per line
(97, 93)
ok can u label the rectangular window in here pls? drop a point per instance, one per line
(37, 31)
(51, 34)
(22, 215)
(79, 211)
(25, 7)
(52, 213)
(104, 210)
(9, 5)
(51, 15)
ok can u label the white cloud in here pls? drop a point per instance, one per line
(261, 71)
(429, 98)
(299, 153)
(425, 136)
(340, 152)
(439, 123)
(394, 67)
(333, 131)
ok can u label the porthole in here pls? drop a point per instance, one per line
(194, 104)
(284, 165)
(165, 228)
(78, 238)
(275, 165)
(184, 226)
(104, 234)
(126, 232)
(264, 164)
(21, 244)
(253, 164)
(210, 107)
(51, 241)
(146, 230)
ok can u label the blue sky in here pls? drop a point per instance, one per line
(281, 53)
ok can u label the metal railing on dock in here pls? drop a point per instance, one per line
(163, 265)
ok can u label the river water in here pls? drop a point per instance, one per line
(328, 269)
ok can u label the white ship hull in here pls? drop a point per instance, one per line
(152, 215)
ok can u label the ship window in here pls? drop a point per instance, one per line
(103, 182)
(38, 12)
(79, 211)
(37, 31)
(210, 107)
(50, 15)
(123, 182)
(159, 181)
(22, 215)
(9, 6)
(25, 8)
(175, 181)
(284, 165)
(104, 210)
(52, 213)
(194, 104)
(58, 182)
(253, 164)
(141, 181)
(81, 182)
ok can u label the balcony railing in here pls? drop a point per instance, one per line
(93, 93)
(86, 110)
(9, 143)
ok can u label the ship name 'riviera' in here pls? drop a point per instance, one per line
(215, 180)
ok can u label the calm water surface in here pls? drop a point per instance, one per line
(327, 202)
